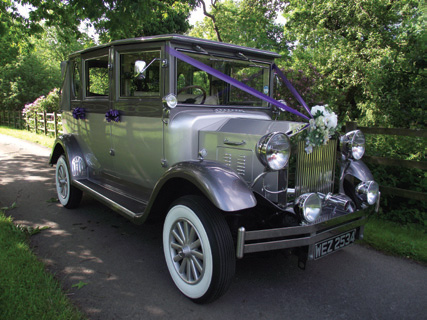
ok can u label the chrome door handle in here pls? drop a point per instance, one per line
(234, 143)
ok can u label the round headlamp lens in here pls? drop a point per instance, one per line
(358, 145)
(309, 206)
(353, 144)
(274, 150)
(368, 191)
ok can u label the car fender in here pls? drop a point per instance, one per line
(357, 169)
(68, 145)
(219, 183)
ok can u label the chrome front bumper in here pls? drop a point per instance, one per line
(301, 236)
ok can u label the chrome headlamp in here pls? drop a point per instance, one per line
(353, 144)
(274, 150)
(308, 206)
(170, 100)
(368, 191)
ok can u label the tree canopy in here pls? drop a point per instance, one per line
(371, 55)
(113, 19)
(247, 22)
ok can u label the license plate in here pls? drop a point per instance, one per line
(335, 243)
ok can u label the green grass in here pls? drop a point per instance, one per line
(46, 141)
(400, 240)
(27, 291)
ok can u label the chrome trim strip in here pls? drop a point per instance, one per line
(112, 204)
(297, 236)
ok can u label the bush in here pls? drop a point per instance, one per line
(50, 103)
(394, 208)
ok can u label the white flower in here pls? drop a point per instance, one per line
(320, 122)
(331, 121)
(309, 149)
(318, 108)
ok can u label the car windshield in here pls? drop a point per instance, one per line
(195, 86)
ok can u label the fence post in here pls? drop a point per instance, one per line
(55, 124)
(20, 119)
(350, 126)
(35, 121)
(45, 123)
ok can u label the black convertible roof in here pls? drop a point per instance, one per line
(180, 39)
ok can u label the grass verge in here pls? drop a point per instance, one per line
(27, 291)
(406, 241)
(46, 141)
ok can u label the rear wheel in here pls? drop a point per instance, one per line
(68, 195)
(198, 248)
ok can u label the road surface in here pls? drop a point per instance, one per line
(126, 277)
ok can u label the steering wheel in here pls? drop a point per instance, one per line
(194, 87)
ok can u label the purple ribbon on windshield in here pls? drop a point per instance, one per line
(232, 81)
(291, 88)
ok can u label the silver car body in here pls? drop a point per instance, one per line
(154, 154)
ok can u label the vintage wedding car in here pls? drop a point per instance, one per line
(185, 130)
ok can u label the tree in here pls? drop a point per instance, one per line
(371, 54)
(116, 19)
(247, 22)
(32, 67)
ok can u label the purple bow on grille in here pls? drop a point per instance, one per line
(112, 115)
(79, 113)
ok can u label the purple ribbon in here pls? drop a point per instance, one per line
(291, 88)
(112, 115)
(232, 81)
(79, 113)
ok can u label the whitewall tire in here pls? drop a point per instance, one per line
(68, 195)
(198, 249)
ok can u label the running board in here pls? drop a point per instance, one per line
(126, 206)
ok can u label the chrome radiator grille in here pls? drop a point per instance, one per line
(315, 172)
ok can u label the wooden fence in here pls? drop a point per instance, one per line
(46, 123)
(38, 122)
(404, 193)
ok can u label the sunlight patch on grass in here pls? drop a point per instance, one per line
(41, 139)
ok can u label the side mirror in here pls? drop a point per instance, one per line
(139, 69)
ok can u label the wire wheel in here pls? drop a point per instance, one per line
(198, 248)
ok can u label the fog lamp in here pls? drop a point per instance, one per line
(353, 144)
(274, 150)
(368, 191)
(308, 206)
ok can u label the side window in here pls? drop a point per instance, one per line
(97, 77)
(140, 74)
(76, 79)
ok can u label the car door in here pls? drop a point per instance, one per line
(95, 131)
(137, 137)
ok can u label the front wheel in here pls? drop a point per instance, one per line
(198, 248)
(68, 195)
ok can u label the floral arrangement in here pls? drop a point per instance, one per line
(112, 115)
(79, 113)
(49, 103)
(321, 127)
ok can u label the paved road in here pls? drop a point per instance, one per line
(126, 275)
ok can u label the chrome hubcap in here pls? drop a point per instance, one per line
(62, 182)
(187, 251)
